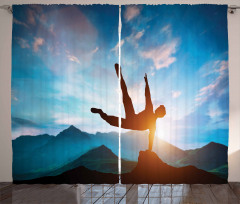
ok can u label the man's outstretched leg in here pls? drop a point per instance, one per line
(149, 105)
(127, 101)
(100, 112)
(112, 120)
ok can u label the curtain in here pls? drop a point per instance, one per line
(62, 62)
(138, 93)
(183, 50)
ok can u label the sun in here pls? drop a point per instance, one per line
(163, 129)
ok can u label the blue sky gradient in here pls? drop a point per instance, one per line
(63, 64)
(184, 51)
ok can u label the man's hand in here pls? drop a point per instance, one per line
(145, 77)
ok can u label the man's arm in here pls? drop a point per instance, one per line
(149, 105)
(151, 137)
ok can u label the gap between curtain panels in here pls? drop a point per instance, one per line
(119, 94)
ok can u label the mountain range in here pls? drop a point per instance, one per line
(78, 175)
(101, 159)
(207, 157)
(149, 169)
(47, 155)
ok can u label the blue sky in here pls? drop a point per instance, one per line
(63, 64)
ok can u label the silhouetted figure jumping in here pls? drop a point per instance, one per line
(141, 121)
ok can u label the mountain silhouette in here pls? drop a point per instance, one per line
(168, 152)
(44, 155)
(101, 159)
(78, 175)
(100, 153)
(221, 171)
(208, 157)
(72, 132)
(51, 155)
(28, 142)
(151, 169)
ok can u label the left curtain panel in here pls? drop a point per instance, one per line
(63, 60)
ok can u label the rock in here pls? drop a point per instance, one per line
(151, 169)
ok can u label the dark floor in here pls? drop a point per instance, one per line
(144, 193)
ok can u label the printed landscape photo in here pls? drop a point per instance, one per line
(65, 91)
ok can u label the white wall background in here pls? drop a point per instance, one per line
(5, 77)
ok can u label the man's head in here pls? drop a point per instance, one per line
(160, 112)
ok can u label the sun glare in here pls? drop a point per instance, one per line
(163, 129)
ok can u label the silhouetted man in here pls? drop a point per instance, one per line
(141, 121)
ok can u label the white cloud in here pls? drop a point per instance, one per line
(69, 121)
(166, 29)
(43, 18)
(131, 12)
(22, 42)
(213, 67)
(95, 50)
(51, 30)
(31, 18)
(76, 59)
(20, 23)
(214, 113)
(37, 43)
(13, 97)
(223, 66)
(176, 94)
(115, 49)
(73, 58)
(26, 131)
(162, 56)
(139, 35)
(217, 87)
(135, 37)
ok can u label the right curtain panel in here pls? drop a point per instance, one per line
(175, 92)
